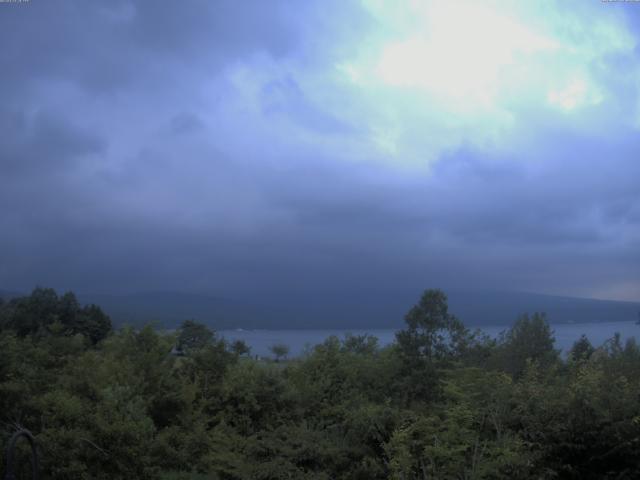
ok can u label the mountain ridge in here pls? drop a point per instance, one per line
(359, 311)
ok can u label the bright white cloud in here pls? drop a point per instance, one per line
(574, 95)
(435, 75)
(460, 52)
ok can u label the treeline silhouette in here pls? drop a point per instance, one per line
(441, 402)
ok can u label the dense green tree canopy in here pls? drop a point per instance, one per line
(439, 403)
(45, 313)
(280, 350)
(432, 332)
(194, 336)
(530, 339)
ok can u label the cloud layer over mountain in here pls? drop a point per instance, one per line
(287, 147)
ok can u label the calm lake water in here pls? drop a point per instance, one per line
(299, 340)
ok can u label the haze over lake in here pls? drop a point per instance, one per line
(299, 340)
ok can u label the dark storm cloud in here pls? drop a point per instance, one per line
(43, 144)
(208, 146)
(113, 44)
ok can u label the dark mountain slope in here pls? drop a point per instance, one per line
(354, 311)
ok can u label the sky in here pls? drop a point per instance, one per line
(259, 148)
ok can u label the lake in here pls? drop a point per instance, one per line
(299, 340)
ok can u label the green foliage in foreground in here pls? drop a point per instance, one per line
(440, 403)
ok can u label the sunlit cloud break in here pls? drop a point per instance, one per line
(476, 70)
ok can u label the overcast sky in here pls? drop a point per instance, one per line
(257, 147)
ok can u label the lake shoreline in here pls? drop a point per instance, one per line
(260, 340)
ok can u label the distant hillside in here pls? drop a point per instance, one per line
(353, 311)
(498, 308)
(349, 310)
(169, 309)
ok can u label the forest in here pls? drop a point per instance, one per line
(441, 402)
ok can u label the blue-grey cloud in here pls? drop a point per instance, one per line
(255, 148)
